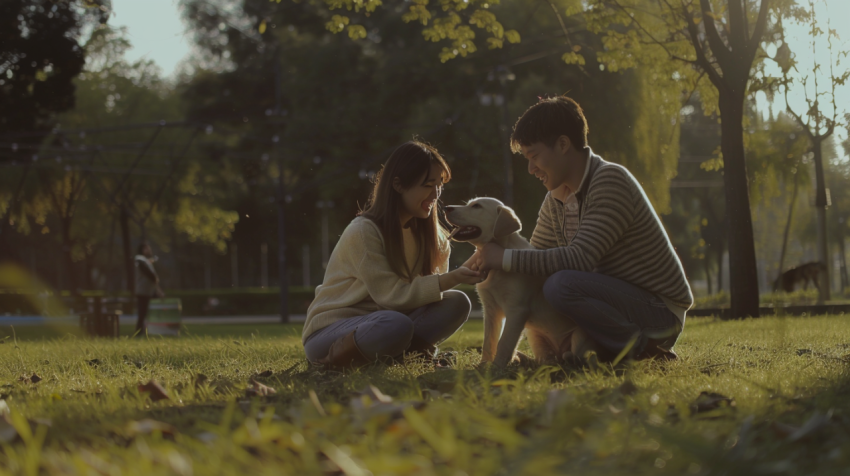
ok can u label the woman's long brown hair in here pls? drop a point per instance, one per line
(409, 162)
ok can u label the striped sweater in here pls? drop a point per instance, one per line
(608, 226)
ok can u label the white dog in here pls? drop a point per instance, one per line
(516, 299)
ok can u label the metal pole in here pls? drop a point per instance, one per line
(207, 269)
(821, 204)
(264, 265)
(325, 244)
(507, 163)
(305, 265)
(281, 201)
(234, 265)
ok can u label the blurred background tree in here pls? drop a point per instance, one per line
(280, 116)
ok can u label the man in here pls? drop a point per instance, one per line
(147, 285)
(609, 262)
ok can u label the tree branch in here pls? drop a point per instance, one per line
(718, 47)
(754, 42)
(566, 33)
(702, 59)
(737, 25)
(654, 40)
(18, 192)
(796, 116)
(690, 95)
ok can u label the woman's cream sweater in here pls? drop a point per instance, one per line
(359, 280)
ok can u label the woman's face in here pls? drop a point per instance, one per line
(420, 199)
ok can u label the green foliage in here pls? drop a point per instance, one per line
(443, 21)
(712, 301)
(656, 35)
(823, 114)
(205, 223)
(776, 157)
(786, 378)
(72, 198)
(39, 58)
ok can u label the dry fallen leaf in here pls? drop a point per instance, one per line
(148, 426)
(783, 430)
(708, 401)
(628, 388)
(154, 391)
(259, 390)
(812, 425)
(555, 399)
(200, 380)
(206, 436)
(371, 402)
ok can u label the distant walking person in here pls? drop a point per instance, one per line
(147, 284)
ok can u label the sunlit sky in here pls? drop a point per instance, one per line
(155, 29)
(157, 32)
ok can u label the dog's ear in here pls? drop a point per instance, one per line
(506, 223)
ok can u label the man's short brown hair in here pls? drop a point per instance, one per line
(548, 120)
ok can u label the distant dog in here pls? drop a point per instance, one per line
(803, 273)
(514, 298)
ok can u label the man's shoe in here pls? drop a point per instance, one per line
(344, 354)
(653, 351)
(420, 346)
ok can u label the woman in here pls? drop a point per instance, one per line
(387, 288)
(147, 285)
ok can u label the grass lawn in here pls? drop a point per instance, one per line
(775, 400)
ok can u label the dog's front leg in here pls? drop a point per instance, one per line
(493, 317)
(514, 325)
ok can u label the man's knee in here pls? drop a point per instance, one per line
(557, 289)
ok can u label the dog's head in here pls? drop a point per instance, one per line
(482, 220)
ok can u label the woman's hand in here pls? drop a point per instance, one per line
(475, 263)
(462, 275)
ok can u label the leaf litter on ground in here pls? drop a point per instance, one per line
(397, 420)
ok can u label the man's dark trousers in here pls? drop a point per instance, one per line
(612, 312)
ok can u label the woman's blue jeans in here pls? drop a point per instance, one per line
(389, 333)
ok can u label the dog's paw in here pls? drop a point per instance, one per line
(523, 360)
(484, 366)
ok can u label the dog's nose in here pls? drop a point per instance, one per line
(450, 208)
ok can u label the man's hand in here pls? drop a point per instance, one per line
(491, 257)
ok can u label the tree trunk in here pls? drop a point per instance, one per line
(785, 234)
(128, 256)
(743, 278)
(820, 204)
(843, 256)
(283, 270)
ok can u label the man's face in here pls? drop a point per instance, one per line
(147, 251)
(548, 164)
